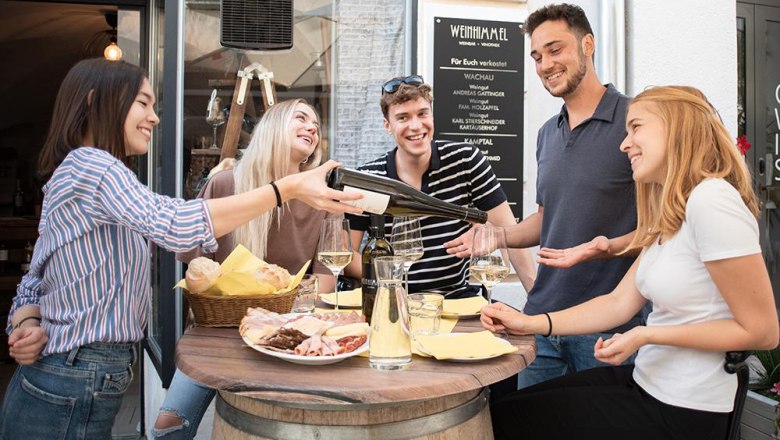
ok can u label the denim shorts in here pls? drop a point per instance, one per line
(74, 395)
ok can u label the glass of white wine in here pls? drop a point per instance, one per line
(489, 258)
(334, 249)
(406, 240)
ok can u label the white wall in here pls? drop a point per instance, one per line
(692, 42)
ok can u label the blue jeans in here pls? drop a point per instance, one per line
(558, 356)
(74, 395)
(189, 400)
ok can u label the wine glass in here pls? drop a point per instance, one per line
(334, 249)
(215, 116)
(489, 257)
(406, 239)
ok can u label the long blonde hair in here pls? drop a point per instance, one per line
(698, 147)
(267, 158)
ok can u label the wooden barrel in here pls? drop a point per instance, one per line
(458, 416)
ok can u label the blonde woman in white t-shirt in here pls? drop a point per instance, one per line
(700, 266)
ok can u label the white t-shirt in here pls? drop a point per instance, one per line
(672, 275)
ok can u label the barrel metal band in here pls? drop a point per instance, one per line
(400, 430)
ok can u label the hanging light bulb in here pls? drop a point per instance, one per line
(112, 51)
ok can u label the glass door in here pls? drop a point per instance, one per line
(758, 39)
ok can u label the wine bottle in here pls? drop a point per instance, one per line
(18, 199)
(392, 197)
(376, 246)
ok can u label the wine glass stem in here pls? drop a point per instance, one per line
(406, 281)
(336, 289)
(489, 294)
(214, 138)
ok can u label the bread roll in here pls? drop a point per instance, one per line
(201, 274)
(274, 275)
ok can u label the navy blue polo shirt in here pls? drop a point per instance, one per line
(586, 188)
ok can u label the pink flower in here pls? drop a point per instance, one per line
(775, 388)
(744, 146)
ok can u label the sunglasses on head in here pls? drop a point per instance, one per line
(393, 85)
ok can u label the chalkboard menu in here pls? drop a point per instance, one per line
(478, 94)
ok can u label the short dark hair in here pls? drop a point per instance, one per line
(573, 15)
(405, 93)
(114, 86)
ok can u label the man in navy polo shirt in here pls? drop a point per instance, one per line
(455, 172)
(584, 190)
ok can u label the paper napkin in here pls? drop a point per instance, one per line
(464, 306)
(478, 345)
(347, 298)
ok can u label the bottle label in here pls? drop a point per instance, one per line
(4, 255)
(373, 202)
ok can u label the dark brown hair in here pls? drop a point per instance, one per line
(113, 86)
(405, 93)
(573, 15)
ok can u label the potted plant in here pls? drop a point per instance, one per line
(761, 416)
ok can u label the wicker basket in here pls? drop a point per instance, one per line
(227, 311)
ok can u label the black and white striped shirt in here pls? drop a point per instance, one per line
(458, 174)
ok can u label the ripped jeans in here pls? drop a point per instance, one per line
(188, 400)
(74, 395)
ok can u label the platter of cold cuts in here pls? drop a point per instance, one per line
(307, 339)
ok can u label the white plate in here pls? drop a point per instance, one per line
(459, 316)
(308, 360)
(465, 359)
(328, 301)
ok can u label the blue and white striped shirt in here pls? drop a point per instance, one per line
(459, 174)
(90, 268)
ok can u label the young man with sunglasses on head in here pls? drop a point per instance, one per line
(585, 189)
(452, 171)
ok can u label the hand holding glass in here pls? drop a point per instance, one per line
(335, 248)
(489, 257)
(406, 239)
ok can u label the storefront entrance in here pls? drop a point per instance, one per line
(758, 51)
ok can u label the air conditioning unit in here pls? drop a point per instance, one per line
(256, 24)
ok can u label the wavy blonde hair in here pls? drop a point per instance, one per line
(267, 158)
(698, 147)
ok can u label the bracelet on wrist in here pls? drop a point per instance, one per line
(19, 324)
(278, 194)
(549, 324)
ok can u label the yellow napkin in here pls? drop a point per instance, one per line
(464, 306)
(347, 298)
(445, 326)
(476, 345)
(236, 276)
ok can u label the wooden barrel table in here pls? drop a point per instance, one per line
(262, 397)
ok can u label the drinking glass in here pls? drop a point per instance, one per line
(215, 116)
(335, 248)
(425, 313)
(489, 258)
(306, 295)
(406, 239)
(390, 344)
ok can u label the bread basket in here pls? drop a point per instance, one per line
(227, 311)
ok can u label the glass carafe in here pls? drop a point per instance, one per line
(390, 345)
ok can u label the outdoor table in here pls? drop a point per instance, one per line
(262, 397)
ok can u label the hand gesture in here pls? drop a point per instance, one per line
(565, 258)
(462, 245)
(310, 188)
(619, 347)
(499, 318)
(26, 343)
